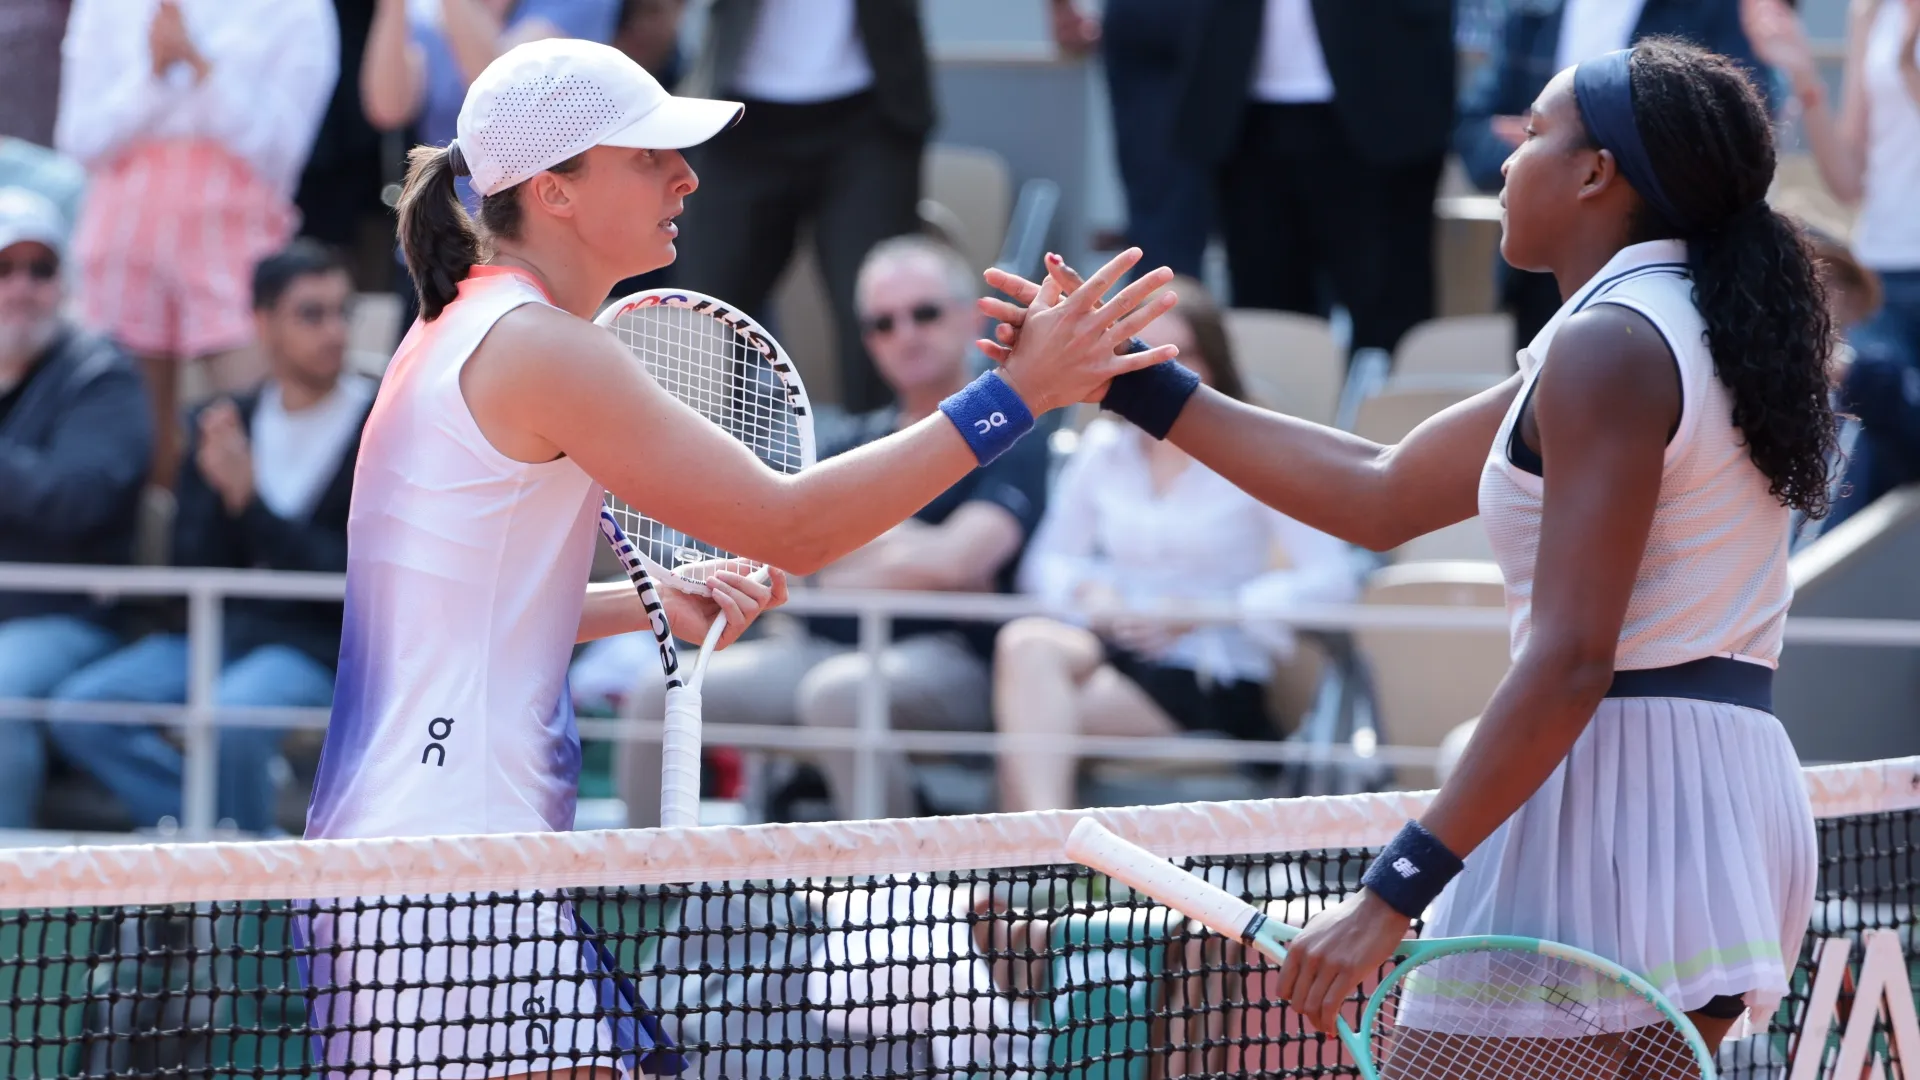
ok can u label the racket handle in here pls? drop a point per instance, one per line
(1092, 844)
(680, 760)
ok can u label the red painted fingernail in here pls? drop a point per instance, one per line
(1052, 258)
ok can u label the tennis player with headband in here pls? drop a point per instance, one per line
(504, 416)
(1628, 790)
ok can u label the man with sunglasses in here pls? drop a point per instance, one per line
(75, 441)
(265, 483)
(914, 298)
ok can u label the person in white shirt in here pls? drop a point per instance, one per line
(193, 118)
(266, 485)
(839, 103)
(1135, 523)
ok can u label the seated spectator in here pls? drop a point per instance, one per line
(265, 484)
(193, 119)
(915, 299)
(1136, 524)
(75, 436)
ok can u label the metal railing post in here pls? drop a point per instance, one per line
(872, 719)
(201, 758)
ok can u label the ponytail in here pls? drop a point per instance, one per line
(437, 237)
(1755, 282)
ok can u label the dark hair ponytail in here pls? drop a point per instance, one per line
(436, 235)
(1706, 128)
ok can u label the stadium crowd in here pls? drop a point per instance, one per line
(194, 193)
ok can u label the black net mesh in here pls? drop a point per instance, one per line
(1024, 972)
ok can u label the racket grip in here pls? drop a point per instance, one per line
(680, 760)
(1092, 844)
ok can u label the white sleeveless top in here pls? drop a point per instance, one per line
(466, 573)
(1713, 581)
(1887, 236)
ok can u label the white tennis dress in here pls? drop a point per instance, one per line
(1676, 839)
(466, 574)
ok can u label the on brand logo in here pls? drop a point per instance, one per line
(439, 729)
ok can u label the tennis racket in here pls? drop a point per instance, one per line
(731, 371)
(1472, 1008)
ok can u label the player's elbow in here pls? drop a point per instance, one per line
(1579, 665)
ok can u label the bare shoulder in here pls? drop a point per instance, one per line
(1611, 362)
(532, 371)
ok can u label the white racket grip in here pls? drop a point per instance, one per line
(680, 760)
(1093, 844)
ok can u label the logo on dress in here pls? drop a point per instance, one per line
(439, 729)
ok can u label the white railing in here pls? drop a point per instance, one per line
(870, 738)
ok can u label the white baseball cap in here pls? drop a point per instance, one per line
(26, 216)
(540, 103)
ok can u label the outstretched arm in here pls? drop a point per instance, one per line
(552, 384)
(1360, 491)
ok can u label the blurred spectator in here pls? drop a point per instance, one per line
(648, 31)
(193, 118)
(1136, 523)
(49, 172)
(916, 308)
(839, 103)
(75, 436)
(30, 67)
(266, 485)
(1534, 43)
(339, 192)
(1314, 130)
(1868, 154)
(421, 54)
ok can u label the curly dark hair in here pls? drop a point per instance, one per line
(1706, 128)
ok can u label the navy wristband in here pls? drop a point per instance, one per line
(990, 416)
(1413, 870)
(1151, 399)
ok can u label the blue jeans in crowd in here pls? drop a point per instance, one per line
(1883, 390)
(36, 654)
(139, 764)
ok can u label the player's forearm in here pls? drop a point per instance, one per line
(1527, 730)
(822, 514)
(612, 608)
(1329, 479)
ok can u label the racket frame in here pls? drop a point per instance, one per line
(1093, 845)
(680, 741)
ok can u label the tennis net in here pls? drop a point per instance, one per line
(955, 947)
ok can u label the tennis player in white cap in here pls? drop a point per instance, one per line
(504, 416)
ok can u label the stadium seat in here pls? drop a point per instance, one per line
(971, 189)
(1427, 682)
(1459, 345)
(1388, 416)
(1853, 702)
(1289, 362)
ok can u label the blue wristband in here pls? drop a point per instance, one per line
(1413, 870)
(990, 416)
(1152, 398)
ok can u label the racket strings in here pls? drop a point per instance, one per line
(1521, 1015)
(709, 366)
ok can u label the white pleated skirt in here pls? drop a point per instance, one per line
(1676, 840)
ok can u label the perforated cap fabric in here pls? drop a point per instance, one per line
(541, 103)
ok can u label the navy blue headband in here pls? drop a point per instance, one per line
(1604, 88)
